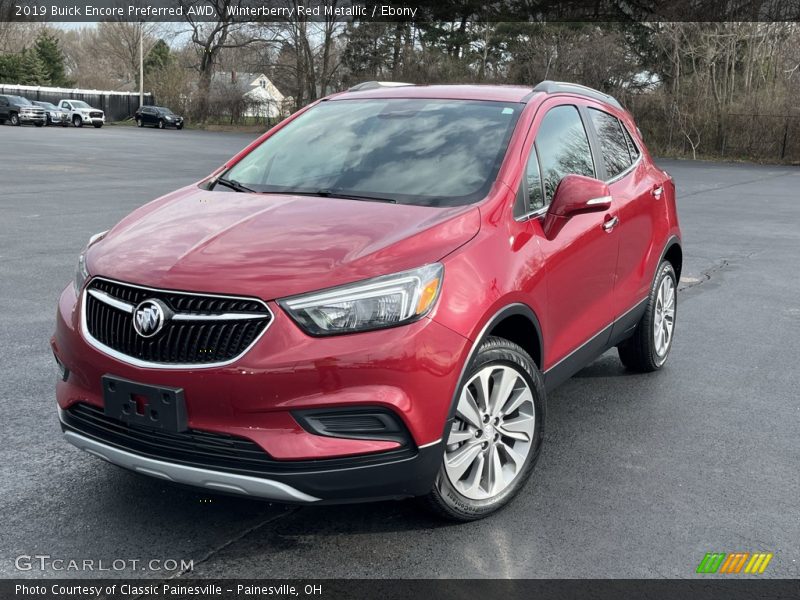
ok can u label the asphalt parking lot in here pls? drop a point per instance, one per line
(640, 476)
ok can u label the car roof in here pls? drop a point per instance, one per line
(495, 93)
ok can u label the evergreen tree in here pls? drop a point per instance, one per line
(52, 59)
(157, 58)
(33, 71)
(10, 68)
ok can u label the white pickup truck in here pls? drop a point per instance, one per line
(80, 113)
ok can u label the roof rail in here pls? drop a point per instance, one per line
(372, 85)
(554, 87)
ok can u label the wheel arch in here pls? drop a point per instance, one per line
(673, 252)
(504, 321)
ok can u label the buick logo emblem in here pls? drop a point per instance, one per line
(149, 317)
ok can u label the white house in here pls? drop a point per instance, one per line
(262, 97)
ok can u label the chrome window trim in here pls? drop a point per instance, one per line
(130, 360)
(533, 214)
(627, 171)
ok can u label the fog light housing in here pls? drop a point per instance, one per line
(63, 371)
(366, 423)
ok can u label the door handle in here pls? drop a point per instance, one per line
(657, 192)
(610, 223)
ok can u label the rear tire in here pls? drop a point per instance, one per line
(494, 439)
(648, 348)
(139, 123)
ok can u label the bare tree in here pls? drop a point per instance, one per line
(210, 38)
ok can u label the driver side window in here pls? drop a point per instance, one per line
(563, 148)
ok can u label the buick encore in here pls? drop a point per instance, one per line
(372, 300)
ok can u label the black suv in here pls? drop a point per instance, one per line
(18, 110)
(157, 116)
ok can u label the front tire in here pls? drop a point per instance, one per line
(97, 125)
(647, 350)
(15, 120)
(496, 434)
(77, 121)
(161, 124)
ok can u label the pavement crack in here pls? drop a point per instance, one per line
(214, 551)
(217, 549)
(704, 276)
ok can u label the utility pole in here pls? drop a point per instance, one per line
(141, 64)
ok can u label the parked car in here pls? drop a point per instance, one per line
(403, 275)
(157, 116)
(18, 110)
(53, 114)
(78, 113)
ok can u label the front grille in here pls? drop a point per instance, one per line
(96, 114)
(201, 448)
(214, 339)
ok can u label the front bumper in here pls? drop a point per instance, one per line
(410, 370)
(31, 118)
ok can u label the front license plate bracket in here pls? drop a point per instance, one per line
(147, 406)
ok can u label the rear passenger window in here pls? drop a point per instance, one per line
(616, 154)
(631, 146)
(563, 148)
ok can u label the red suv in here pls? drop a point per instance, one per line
(371, 300)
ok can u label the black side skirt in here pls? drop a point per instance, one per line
(618, 331)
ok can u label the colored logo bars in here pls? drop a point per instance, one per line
(719, 562)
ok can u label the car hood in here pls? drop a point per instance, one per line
(272, 246)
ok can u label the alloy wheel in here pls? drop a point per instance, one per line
(492, 434)
(664, 320)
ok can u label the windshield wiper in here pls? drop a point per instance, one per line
(328, 193)
(233, 184)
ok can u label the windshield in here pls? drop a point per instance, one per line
(47, 105)
(79, 104)
(412, 151)
(21, 100)
(165, 111)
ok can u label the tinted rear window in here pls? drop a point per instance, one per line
(616, 155)
(414, 151)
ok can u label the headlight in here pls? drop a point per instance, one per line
(372, 304)
(81, 272)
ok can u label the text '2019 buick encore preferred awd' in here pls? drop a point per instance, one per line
(372, 300)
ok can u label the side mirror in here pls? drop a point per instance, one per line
(575, 195)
